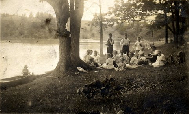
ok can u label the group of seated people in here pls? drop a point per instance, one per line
(120, 61)
(93, 60)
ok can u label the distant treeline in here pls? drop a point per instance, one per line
(141, 29)
(43, 25)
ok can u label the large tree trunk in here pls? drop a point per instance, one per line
(76, 13)
(176, 3)
(184, 11)
(166, 27)
(183, 29)
(61, 8)
(173, 25)
(75, 24)
(64, 56)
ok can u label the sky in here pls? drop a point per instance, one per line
(20, 7)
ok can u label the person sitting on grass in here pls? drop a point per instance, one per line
(89, 59)
(116, 58)
(141, 52)
(124, 57)
(121, 65)
(109, 62)
(25, 71)
(160, 60)
(142, 59)
(138, 45)
(96, 58)
(152, 57)
(134, 59)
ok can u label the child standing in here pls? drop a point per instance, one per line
(109, 44)
(138, 45)
(125, 42)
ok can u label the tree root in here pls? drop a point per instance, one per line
(59, 71)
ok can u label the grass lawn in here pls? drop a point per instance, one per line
(146, 90)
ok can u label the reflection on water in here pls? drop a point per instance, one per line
(38, 57)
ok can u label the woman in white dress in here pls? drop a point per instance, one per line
(96, 58)
(109, 62)
(138, 45)
(160, 60)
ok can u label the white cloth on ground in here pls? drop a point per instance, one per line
(131, 66)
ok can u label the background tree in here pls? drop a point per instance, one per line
(171, 10)
(174, 20)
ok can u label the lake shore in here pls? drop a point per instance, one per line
(18, 80)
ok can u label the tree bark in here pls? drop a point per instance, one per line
(76, 13)
(166, 27)
(173, 25)
(177, 21)
(61, 8)
(184, 10)
(183, 29)
(75, 24)
(64, 56)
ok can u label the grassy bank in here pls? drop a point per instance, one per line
(18, 80)
(146, 90)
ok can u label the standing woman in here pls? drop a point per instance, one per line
(138, 45)
(125, 42)
(109, 44)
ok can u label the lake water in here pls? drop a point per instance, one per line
(39, 58)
